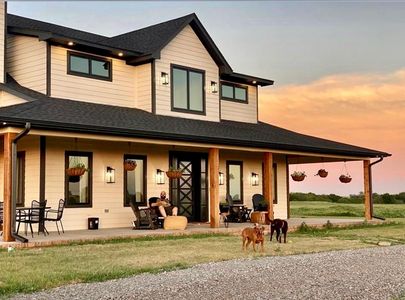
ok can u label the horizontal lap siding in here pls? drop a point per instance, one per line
(26, 61)
(187, 50)
(143, 76)
(241, 112)
(2, 24)
(119, 92)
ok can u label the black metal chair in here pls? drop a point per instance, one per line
(145, 218)
(259, 204)
(1, 218)
(55, 215)
(35, 215)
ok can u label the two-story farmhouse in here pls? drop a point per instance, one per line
(162, 96)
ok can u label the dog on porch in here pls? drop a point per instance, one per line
(253, 235)
(280, 227)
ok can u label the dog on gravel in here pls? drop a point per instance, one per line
(280, 227)
(253, 235)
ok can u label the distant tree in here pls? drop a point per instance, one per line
(387, 198)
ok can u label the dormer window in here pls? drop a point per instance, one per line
(187, 89)
(234, 92)
(84, 65)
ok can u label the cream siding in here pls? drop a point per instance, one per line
(143, 87)
(187, 50)
(241, 112)
(119, 92)
(2, 38)
(26, 61)
(7, 99)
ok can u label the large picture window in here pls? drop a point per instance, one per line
(234, 175)
(135, 181)
(78, 189)
(188, 90)
(234, 92)
(89, 66)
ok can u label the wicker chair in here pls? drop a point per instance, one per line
(145, 218)
(55, 215)
(259, 204)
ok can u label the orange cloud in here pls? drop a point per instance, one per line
(362, 109)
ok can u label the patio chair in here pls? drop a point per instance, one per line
(1, 218)
(145, 218)
(55, 215)
(259, 204)
(236, 213)
(161, 219)
(35, 215)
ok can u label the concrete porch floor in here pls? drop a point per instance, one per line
(192, 228)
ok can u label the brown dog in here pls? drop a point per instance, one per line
(281, 227)
(253, 235)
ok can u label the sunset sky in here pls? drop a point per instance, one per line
(338, 67)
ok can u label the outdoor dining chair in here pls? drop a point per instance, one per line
(33, 215)
(55, 215)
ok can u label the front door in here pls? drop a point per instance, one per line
(189, 193)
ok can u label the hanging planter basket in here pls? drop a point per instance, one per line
(298, 176)
(76, 171)
(74, 179)
(322, 173)
(129, 165)
(345, 178)
(174, 174)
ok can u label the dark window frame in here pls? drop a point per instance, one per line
(90, 181)
(275, 194)
(89, 58)
(188, 70)
(239, 163)
(145, 183)
(21, 189)
(234, 85)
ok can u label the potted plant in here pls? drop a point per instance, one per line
(77, 170)
(322, 173)
(345, 178)
(174, 173)
(129, 165)
(298, 175)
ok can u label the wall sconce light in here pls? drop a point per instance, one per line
(254, 179)
(214, 87)
(110, 175)
(160, 176)
(164, 78)
(221, 178)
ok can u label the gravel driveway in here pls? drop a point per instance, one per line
(373, 273)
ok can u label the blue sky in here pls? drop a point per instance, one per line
(290, 42)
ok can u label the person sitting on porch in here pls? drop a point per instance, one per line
(164, 206)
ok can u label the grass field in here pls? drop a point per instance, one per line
(308, 208)
(29, 270)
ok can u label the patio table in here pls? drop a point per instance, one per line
(28, 211)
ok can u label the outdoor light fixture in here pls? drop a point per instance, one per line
(214, 87)
(110, 175)
(70, 43)
(254, 82)
(120, 54)
(221, 178)
(254, 179)
(164, 78)
(160, 176)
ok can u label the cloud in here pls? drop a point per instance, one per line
(362, 109)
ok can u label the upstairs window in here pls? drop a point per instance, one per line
(89, 66)
(234, 92)
(188, 90)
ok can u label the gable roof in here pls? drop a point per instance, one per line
(75, 116)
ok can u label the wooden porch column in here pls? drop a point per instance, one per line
(213, 163)
(7, 139)
(267, 182)
(368, 204)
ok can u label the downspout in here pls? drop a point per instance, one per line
(371, 191)
(14, 181)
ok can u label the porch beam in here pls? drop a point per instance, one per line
(213, 164)
(267, 182)
(7, 193)
(368, 204)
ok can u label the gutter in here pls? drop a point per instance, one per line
(14, 181)
(371, 192)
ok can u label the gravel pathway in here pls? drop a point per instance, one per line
(372, 273)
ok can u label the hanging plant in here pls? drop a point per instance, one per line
(129, 165)
(345, 178)
(298, 175)
(174, 173)
(77, 170)
(322, 173)
(74, 179)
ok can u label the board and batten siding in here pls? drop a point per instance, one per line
(186, 50)
(2, 38)
(241, 112)
(143, 87)
(7, 99)
(26, 61)
(118, 92)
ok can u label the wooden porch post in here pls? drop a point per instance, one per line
(213, 162)
(267, 182)
(7, 226)
(368, 204)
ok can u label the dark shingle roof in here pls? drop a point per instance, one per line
(77, 116)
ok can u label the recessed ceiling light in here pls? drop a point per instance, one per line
(254, 82)
(120, 54)
(4, 123)
(71, 43)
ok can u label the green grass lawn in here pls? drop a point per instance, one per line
(308, 208)
(29, 270)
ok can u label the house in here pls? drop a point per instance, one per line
(161, 96)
